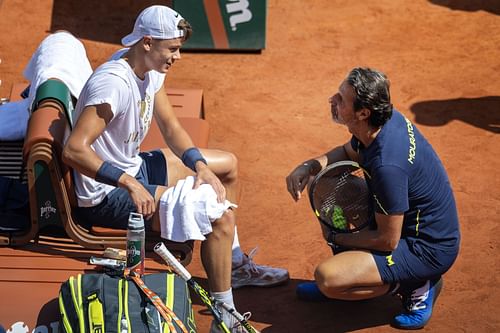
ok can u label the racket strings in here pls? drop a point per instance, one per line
(343, 198)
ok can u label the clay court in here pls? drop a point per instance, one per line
(271, 109)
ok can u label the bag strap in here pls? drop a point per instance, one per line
(75, 285)
(164, 310)
(96, 313)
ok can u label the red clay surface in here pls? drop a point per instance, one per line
(271, 110)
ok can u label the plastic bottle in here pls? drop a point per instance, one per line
(135, 244)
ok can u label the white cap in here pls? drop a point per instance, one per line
(159, 22)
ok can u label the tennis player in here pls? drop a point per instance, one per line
(416, 239)
(112, 178)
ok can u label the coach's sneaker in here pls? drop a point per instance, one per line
(418, 306)
(309, 292)
(251, 274)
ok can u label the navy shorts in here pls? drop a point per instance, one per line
(414, 260)
(114, 210)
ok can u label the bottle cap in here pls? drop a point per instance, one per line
(135, 221)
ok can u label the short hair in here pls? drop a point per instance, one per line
(371, 88)
(186, 28)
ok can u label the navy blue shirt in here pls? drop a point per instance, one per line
(408, 177)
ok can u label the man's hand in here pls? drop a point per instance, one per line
(205, 176)
(297, 180)
(300, 177)
(143, 200)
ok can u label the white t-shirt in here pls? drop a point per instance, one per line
(131, 100)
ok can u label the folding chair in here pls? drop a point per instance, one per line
(51, 191)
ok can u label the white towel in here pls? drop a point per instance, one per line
(187, 214)
(62, 56)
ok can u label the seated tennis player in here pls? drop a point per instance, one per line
(416, 238)
(112, 178)
(61, 60)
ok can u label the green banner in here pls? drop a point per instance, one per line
(225, 24)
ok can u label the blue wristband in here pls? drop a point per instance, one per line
(191, 156)
(108, 174)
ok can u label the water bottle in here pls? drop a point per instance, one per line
(135, 244)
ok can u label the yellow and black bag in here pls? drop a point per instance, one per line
(98, 303)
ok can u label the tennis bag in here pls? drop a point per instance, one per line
(98, 303)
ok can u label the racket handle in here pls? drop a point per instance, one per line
(161, 250)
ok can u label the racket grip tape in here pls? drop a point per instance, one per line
(161, 250)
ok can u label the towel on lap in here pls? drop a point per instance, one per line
(187, 214)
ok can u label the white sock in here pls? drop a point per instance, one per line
(237, 254)
(226, 297)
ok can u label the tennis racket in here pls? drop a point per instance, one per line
(180, 270)
(340, 197)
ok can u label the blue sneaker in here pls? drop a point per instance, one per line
(418, 306)
(309, 291)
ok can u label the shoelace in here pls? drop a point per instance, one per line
(245, 315)
(239, 326)
(237, 321)
(251, 264)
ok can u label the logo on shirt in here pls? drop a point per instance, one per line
(145, 115)
(412, 150)
(132, 137)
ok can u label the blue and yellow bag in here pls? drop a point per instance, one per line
(98, 303)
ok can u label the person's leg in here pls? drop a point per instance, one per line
(225, 166)
(355, 275)
(350, 275)
(216, 249)
(215, 257)
(420, 291)
(237, 254)
(216, 253)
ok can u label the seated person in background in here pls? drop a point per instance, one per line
(417, 234)
(113, 115)
(59, 56)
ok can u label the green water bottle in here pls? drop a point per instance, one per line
(136, 238)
